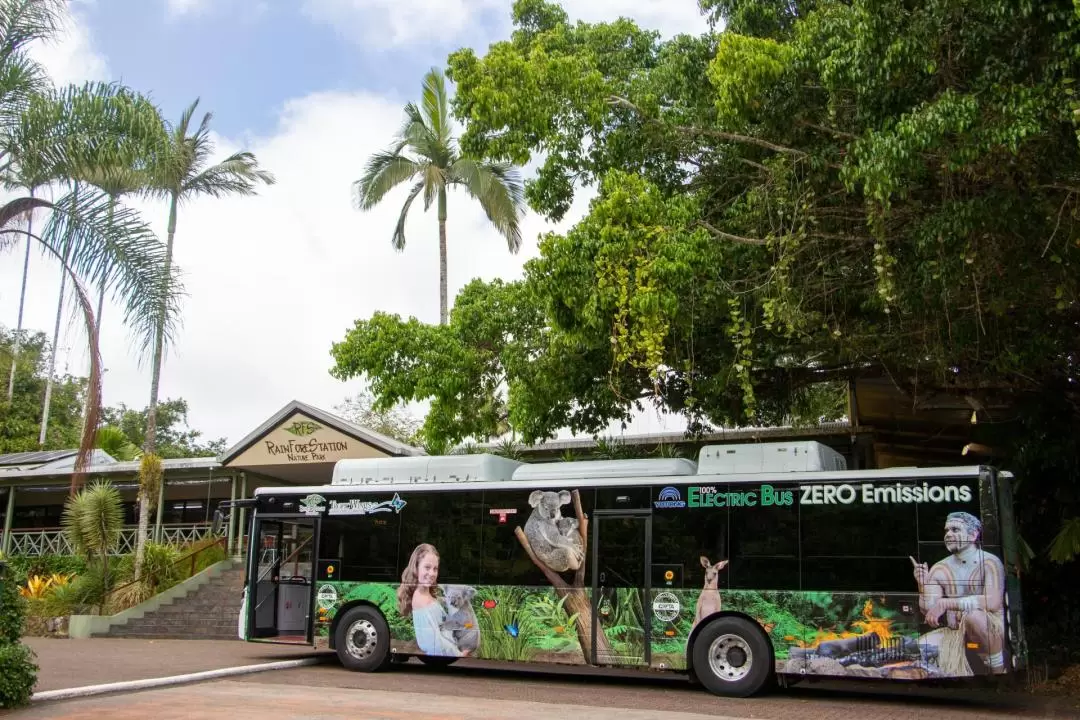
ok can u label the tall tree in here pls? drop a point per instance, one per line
(123, 256)
(425, 150)
(181, 173)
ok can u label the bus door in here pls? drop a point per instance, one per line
(281, 580)
(621, 630)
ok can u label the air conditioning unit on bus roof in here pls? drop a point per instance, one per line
(805, 456)
(423, 469)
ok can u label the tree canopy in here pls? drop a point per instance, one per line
(822, 188)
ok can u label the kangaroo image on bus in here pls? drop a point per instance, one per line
(754, 564)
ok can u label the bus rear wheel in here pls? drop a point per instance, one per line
(362, 640)
(438, 661)
(732, 657)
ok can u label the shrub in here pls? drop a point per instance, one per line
(18, 672)
(18, 675)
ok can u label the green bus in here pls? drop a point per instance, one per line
(754, 564)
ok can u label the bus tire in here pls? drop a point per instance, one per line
(362, 640)
(437, 661)
(732, 657)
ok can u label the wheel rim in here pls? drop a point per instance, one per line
(730, 658)
(361, 639)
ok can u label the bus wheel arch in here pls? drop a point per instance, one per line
(360, 635)
(745, 636)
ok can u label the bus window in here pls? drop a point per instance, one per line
(765, 546)
(365, 546)
(860, 545)
(505, 561)
(451, 523)
(681, 536)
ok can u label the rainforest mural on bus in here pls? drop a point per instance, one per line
(949, 625)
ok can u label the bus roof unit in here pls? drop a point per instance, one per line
(776, 457)
(424, 469)
(577, 469)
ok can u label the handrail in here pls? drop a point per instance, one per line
(193, 555)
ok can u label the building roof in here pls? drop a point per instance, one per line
(386, 444)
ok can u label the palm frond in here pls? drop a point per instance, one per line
(422, 140)
(399, 230)
(434, 183)
(383, 172)
(436, 106)
(121, 254)
(24, 21)
(235, 175)
(500, 191)
(93, 400)
(100, 131)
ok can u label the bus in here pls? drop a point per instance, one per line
(753, 565)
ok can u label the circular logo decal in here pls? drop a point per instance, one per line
(327, 596)
(666, 607)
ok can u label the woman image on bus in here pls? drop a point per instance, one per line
(418, 596)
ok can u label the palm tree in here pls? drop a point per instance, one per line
(437, 164)
(181, 174)
(36, 137)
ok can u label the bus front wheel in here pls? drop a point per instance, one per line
(732, 657)
(363, 640)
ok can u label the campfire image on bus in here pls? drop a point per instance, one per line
(662, 564)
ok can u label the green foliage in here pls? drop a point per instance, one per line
(511, 609)
(395, 422)
(18, 675)
(823, 188)
(21, 567)
(174, 437)
(93, 519)
(20, 419)
(18, 672)
(384, 597)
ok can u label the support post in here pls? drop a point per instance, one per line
(232, 520)
(160, 509)
(9, 516)
(243, 512)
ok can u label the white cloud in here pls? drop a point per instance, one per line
(69, 57)
(273, 280)
(391, 23)
(180, 8)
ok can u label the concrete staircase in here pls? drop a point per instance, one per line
(207, 612)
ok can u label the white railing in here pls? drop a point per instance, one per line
(52, 541)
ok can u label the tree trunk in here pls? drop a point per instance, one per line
(150, 445)
(443, 304)
(577, 601)
(22, 302)
(56, 338)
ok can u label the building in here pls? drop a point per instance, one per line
(299, 444)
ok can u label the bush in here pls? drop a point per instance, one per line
(22, 567)
(18, 675)
(18, 672)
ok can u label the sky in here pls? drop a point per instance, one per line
(312, 87)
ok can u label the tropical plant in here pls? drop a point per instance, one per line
(112, 440)
(179, 174)
(92, 521)
(437, 165)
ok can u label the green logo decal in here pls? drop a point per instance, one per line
(300, 428)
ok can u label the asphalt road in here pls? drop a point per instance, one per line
(475, 690)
